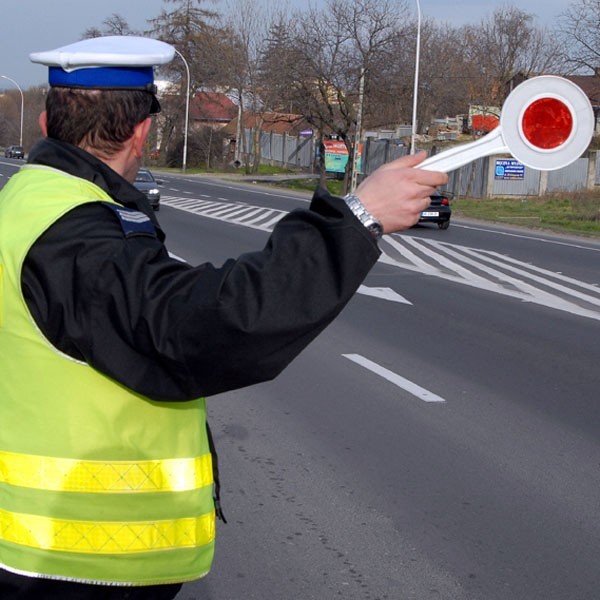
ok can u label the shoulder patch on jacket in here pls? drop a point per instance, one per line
(133, 222)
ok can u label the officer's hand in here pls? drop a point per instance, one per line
(397, 192)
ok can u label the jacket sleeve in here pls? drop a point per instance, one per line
(171, 331)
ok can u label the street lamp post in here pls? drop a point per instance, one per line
(187, 111)
(358, 135)
(415, 91)
(22, 105)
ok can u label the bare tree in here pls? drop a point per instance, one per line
(92, 32)
(503, 46)
(333, 55)
(443, 73)
(195, 33)
(249, 20)
(442, 76)
(276, 56)
(350, 64)
(113, 25)
(580, 32)
(117, 25)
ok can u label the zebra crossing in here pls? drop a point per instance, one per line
(494, 272)
(482, 269)
(257, 217)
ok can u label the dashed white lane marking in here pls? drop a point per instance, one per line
(383, 294)
(401, 382)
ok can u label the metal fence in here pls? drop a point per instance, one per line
(478, 179)
(282, 149)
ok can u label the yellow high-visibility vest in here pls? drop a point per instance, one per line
(97, 483)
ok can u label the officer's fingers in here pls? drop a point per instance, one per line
(406, 168)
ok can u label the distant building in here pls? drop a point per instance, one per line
(590, 84)
(211, 109)
(482, 119)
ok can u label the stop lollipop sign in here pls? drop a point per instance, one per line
(546, 123)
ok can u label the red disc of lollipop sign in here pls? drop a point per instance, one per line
(546, 123)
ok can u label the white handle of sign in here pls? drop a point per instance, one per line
(453, 158)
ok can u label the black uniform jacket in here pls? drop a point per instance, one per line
(172, 331)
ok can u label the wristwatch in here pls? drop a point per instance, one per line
(364, 216)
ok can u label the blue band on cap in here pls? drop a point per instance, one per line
(103, 77)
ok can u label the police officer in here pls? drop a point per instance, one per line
(108, 346)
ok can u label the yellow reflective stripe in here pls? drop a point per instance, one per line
(68, 475)
(0, 295)
(99, 537)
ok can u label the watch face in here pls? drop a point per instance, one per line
(376, 230)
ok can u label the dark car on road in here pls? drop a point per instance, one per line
(14, 152)
(438, 211)
(146, 183)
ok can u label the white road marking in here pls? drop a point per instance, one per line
(481, 269)
(257, 217)
(383, 293)
(401, 382)
(270, 224)
(527, 237)
(493, 272)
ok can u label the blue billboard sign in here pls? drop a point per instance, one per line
(509, 168)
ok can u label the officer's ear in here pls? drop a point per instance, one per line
(140, 133)
(43, 123)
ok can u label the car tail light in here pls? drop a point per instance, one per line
(445, 202)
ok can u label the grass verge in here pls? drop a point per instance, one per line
(574, 212)
(566, 212)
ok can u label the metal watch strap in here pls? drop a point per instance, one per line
(364, 216)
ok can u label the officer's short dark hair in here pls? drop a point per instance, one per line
(96, 120)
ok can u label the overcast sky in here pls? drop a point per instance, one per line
(35, 25)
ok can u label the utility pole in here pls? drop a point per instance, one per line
(358, 134)
(416, 87)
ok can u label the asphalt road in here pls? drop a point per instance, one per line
(439, 441)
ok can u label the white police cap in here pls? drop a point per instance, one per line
(109, 51)
(111, 62)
